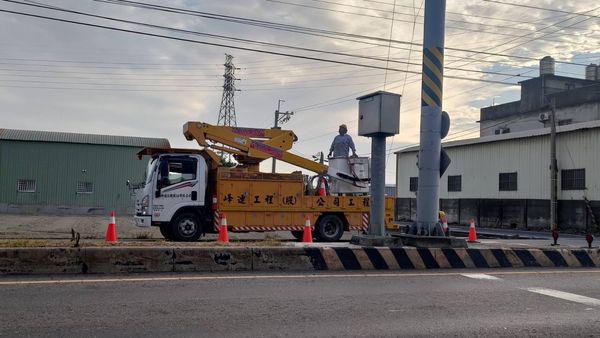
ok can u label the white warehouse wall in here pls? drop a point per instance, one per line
(479, 161)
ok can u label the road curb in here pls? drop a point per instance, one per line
(162, 259)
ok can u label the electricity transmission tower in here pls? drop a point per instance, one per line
(227, 110)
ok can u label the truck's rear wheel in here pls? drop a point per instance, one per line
(330, 228)
(165, 231)
(186, 228)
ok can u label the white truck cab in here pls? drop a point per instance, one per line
(174, 196)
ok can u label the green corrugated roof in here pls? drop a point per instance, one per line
(51, 136)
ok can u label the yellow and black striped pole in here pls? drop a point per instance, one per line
(432, 89)
(433, 77)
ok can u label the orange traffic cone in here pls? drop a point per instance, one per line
(307, 235)
(472, 233)
(322, 189)
(111, 232)
(223, 234)
(445, 227)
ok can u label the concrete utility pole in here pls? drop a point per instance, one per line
(280, 117)
(377, 190)
(553, 165)
(431, 118)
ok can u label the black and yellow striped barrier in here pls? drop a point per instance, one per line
(434, 258)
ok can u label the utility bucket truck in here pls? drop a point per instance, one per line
(187, 191)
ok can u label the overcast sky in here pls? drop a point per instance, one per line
(58, 76)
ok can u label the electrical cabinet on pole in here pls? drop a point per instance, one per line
(378, 117)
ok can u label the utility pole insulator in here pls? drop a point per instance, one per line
(378, 117)
(280, 118)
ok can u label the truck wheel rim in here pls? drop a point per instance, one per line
(187, 227)
(331, 228)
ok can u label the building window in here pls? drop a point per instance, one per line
(26, 185)
(85, 187)
(572, 179)
(175, 170)
(502, 130)
(414, 184)
(507, 182)
(454, 183)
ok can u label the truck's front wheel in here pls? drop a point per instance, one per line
(165, 230)
(330, 228)
(186, 228)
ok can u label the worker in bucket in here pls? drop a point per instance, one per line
(342, 144)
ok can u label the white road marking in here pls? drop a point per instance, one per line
(480, 276)
(566, 296)
(266, 277)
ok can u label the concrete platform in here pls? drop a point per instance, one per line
(306, 258)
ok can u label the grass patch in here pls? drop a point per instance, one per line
(24, 243)
(143, 235)
(271, 240)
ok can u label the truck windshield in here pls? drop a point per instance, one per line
(150, 170)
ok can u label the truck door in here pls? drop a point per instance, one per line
(177, 186)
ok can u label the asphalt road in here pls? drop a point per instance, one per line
(560, 303)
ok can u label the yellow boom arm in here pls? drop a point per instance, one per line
(251, 145)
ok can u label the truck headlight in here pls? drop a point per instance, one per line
(144, 204)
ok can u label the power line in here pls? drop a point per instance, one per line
(390, 47)
(296, 29)
(245, 21)
(408, 21)
(85, 64)
(405, 111)
(188, 40)
(249, 49)
(110, 89)
(524, 36)
(204, 34)
(470, 15)
(532, 39)
(462, 14)
(584, 13)
(260, 42)
(517, 39)
(546, 34)
(412, 36)
(112, 63)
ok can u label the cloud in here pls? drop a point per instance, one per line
(98, 81)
